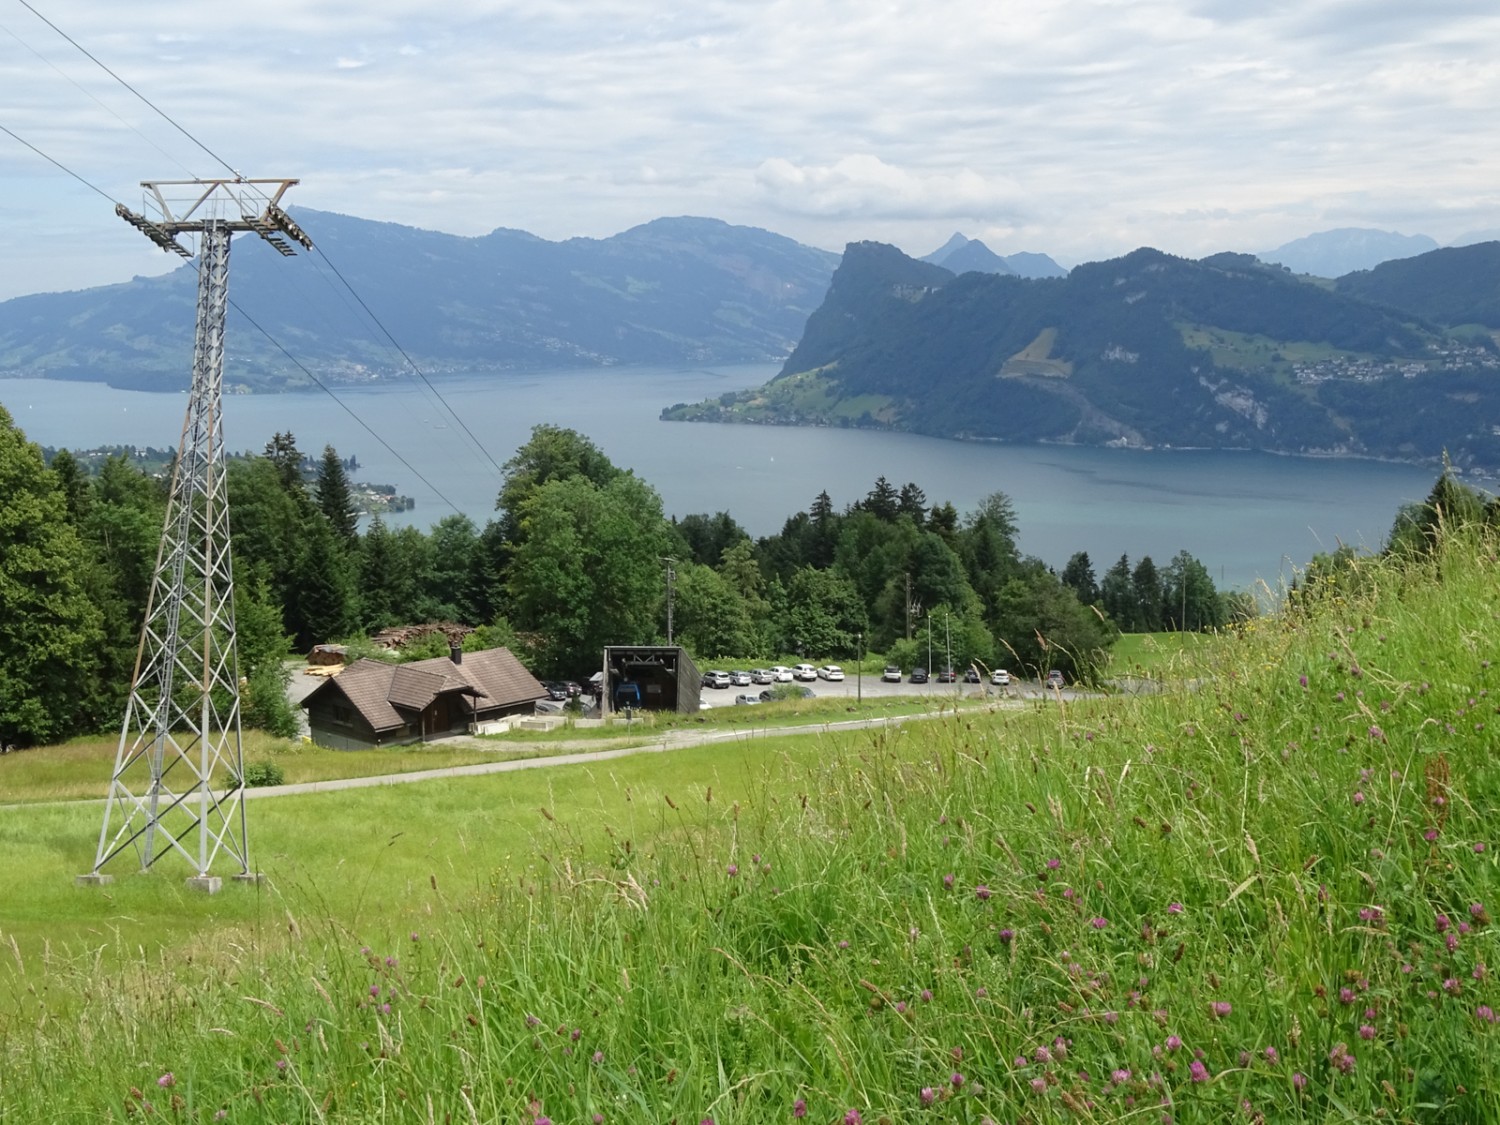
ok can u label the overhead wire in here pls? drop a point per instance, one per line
(477, 444)
(96, 100)
(363, 305)
(257, 326)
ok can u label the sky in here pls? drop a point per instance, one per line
(1077, 128)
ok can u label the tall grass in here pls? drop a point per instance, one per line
(1267, 899)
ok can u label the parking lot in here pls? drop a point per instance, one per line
(871, 687)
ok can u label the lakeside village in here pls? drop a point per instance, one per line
(1361, 369)
(369, 499)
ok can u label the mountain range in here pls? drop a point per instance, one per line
(1333, 253)
(961, 254)
(1152, 350)
(676, 290)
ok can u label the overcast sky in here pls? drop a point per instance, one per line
(1078, 128)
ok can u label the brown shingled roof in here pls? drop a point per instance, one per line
(487, 680)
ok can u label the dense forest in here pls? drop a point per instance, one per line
(574, 558)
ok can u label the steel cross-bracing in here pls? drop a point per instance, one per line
(178, 782)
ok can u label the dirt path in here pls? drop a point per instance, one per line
(658, 744)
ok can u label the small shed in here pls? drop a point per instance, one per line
(373, 703)
(652, 677)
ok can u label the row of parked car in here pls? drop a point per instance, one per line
(780, 674)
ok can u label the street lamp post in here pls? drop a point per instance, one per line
(859, 670)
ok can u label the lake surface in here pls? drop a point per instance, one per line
(1249, 517)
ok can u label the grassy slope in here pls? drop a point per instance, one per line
(1317, 859)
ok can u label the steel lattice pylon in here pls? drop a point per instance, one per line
(178, 780)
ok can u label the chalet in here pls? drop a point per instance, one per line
(371, 703)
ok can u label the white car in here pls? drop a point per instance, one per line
(782, 673)
(891, 675)
(1000, 677)
(831, 672)
(804, 672)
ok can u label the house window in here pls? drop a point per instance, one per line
(344, 715)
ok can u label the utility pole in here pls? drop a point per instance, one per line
(671, 576)
(910, 609)
(179, 776)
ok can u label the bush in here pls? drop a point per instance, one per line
(260, 775)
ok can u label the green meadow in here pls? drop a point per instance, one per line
(1264, 893)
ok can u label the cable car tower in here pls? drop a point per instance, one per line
(178, 783)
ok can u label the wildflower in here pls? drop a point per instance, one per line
(1451, 941)
(1220, 1009)
(1272, 1056)
(956, 1079)
(1302, 680)
(1340, 1059)
(983, 892)
(1099, 923)
(799, 1107)
(1359, 797)
(374, 990)
(167, 1080)
(1299, 1080)
(1452, 987)
(1007, 935)
(929, 1095)
(1430, 835)
(1174, 1043)
(927, 996)
(981, 992)
(1478, 849)
(1366, 1031)
(1376, 733)
(843, 945)
(1174, 908)
(732, 870)
(1042, 1055)
(1039, 1085)
(598, 1057)
(947, 882)
(1053, 864)
(852, 1117)
(1485, 1014)
(1476, 910)
(1197, 1071)
(1119, 1077)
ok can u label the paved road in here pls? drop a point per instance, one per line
(657, 744)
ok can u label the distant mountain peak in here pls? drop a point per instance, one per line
(962, 254)
(1333, 253)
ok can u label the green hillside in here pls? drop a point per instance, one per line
(1453, 286)
(1145, 350)
(1265, 894)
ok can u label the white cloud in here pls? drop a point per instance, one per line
(1076, 127)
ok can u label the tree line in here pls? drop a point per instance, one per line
(575, 558)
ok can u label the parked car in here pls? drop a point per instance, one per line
(971, 675)
(1055, 679)
(555, 690)
(782, 674)
(947, 676)
(716, 679)
(918, 676)
(1000, 677)
(804, 672)
(747, 699)
(739, 679)
(831, 672)
(762, 676)
(891, 675)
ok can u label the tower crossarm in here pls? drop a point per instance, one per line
(195, 206)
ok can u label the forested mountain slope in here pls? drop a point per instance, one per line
(1143, 350)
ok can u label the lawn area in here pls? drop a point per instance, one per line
(1152, 654)
(1267, 892)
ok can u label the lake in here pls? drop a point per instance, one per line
(1248, 516)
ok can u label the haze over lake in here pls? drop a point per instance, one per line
(1247, 516)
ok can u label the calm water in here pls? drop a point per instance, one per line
(1247, 516)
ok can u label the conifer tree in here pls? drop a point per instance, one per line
(334, 498)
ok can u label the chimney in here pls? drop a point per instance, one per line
(455, 652)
